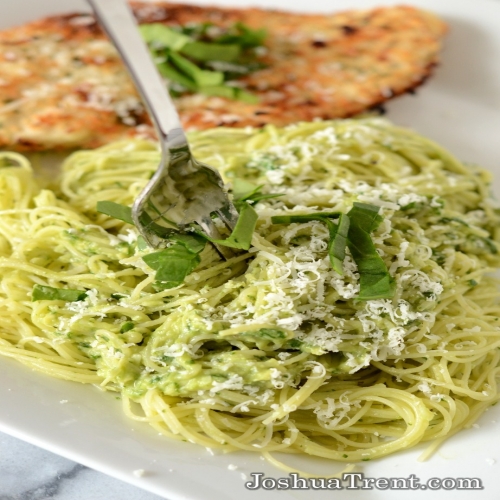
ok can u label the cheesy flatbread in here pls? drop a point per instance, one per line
(62, 84)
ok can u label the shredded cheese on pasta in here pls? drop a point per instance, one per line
(270, 350)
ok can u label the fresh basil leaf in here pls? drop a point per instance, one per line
(201, 77)
(158, 34)
(172, 264)
(244, 96)
(365, 216)
(141, 243)
(243, 36)
(202, 51)
(193, 242)
(259, 197)
(41, 292)
(124, 213)
(188, 57)
(353, 230)
(338, 242)
(115, 210)
(228, 92)
(243, 189)
(375, 281)
(241, 237)
(197, 30)
(172, 74)
(319, 216)
(246, 191)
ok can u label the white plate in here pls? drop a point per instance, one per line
(460, 108)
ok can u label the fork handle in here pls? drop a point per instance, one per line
(120, 25)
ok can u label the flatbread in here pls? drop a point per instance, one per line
(62, 84)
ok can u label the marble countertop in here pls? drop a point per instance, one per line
(31, 473)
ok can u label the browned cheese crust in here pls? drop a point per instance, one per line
(63, 86)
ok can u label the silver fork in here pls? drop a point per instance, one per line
(183, 190)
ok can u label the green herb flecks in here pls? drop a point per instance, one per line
(41, 292)
(127, 326)
(195, 60)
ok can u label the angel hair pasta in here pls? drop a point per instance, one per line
(275, 348)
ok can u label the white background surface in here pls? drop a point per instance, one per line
(460, 108)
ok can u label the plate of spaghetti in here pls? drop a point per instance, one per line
(356, 330)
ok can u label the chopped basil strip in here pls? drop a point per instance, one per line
(319, 216)
(231, 93)
(241, 237)
(200, 77)
(365, 216)
(141, 243)
(124, 213)
(246, 191)
(172, 74)
(243, 36)
(374, 278)
(243, 189)
(193, 60)
(172, 264)
(115, 210)
(159, 35)
(202, 51)
(353, 230)
(41, 292)
(193, 242)
(338, 242)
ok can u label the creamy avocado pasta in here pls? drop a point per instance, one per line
(316, 339)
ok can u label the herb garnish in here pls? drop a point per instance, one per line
(353, 230)
(41, 292)
(202, 59)
(338, 241)
(375, 282)
(241, 237)
(244, 191)
(115, 210)
(174, 263)
(320, 216)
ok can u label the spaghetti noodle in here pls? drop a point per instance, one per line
(271, 350)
